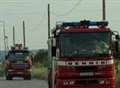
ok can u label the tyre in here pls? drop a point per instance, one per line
(8, 77)
(27, 77)
(50, 85)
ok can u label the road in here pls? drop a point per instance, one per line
(19, 83)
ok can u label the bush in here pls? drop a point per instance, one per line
(40, 63)
(41, 57)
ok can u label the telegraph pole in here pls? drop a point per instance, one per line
(24, 40)
(103, 10)
(6, 41)
(13, 36)
(53, 66)
(4, 34)
(4, 37)
(48, 21)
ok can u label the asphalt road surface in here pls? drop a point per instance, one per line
(19, 83)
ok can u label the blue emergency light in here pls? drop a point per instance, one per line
(86, 23)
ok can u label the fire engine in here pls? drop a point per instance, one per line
(18, 63)
(81, 55)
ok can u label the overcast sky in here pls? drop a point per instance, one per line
(34, 12)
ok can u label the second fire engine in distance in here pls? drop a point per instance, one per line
(18, 63)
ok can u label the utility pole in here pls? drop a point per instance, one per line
(24, 41)
(104, 10)
(6, 41)
(13, 36)
(53, 66)
(48, 21)
(4, 34)
(4, 37)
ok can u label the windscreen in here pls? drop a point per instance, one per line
(18, 55)
(84, 44)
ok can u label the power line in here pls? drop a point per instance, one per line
(70, 11)
(41, 20)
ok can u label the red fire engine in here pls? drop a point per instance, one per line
(82, 55)
(18, 63)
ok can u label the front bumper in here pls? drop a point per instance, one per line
(20, 73)
(86, 83)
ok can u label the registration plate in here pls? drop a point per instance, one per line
(86, 74)
(19, 72)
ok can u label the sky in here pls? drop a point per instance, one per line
(34, 13)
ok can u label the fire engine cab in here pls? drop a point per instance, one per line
(81, 55)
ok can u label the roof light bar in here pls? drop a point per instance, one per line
(86, 23)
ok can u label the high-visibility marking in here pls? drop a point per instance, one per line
(85, 63)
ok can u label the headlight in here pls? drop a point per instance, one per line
(65, 82)
(71, 82)
(68, 82)
(101, 82)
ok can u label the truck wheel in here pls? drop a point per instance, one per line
(50, 86)
(8, 77)
(28, 77)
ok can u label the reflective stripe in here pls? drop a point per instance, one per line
(84, 63)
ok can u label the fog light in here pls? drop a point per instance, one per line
(71, 82)
(65, 82)
(107, 82)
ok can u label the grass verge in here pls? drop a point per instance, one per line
(1, 70)
(39, 71)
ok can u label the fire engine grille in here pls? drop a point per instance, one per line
(86, 69)
(19, 66)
